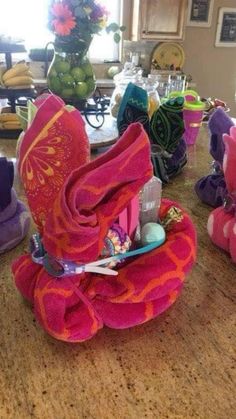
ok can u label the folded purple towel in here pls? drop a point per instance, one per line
(178, 160)
(211, 189)
(10, 210)
(13, 230)
(14, 218)
(6, 182)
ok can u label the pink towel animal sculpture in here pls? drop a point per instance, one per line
(80, 209)
(222, 221)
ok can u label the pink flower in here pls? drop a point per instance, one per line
(64, 20)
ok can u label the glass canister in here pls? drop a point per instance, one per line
(134, 75)
(162, 83)
(150, 85)
(130, 74)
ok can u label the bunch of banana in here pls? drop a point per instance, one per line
(2, 71)
(9, 121)
(18, 77)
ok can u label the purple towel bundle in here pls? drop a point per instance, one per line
(211, 189)
(14, 218)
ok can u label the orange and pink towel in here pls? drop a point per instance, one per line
(222, 221)
(75, 215)
(55, 143)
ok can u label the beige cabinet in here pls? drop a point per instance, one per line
(158, 19)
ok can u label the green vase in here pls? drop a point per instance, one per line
(71, 74)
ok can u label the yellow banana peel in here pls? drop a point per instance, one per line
(18, 81)
(10, 125)
(23, 86)
(15, 71)
(6, 117)
(2, 71)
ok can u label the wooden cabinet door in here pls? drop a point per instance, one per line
(158, 19)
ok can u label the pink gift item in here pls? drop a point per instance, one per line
(222, 221)
(55, 143)
(74, 307)
(129, 217)
(193, 114)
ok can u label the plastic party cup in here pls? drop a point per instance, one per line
(193, 114)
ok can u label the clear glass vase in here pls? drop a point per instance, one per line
(71, 74)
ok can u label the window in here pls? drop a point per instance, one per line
(103, 47)
(27, 19)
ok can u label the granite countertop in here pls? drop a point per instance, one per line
(180, 365)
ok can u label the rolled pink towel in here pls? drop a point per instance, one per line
(222, 221)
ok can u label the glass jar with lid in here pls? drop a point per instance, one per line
(153, 97)
(130, 74)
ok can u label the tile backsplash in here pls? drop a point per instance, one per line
(143, 49)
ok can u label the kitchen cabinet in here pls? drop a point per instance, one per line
(158, 19)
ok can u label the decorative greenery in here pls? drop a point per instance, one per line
(74, 22)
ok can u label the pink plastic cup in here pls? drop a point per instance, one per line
(192, 114)
(192, 123)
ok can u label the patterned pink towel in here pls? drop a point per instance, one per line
(55, 143)
(222, 221)
(94, 195)
(74, 308)
(74, 206)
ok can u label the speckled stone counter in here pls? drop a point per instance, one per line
(180, 365)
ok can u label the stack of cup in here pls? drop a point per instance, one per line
(176, 83)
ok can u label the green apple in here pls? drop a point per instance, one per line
(88, 69)
(90, 85)
(52, 72)
(78, 74)
(81, 90)
(62, 66)
(67, 93)
(54, 84)
(67, 79)
(112, 71)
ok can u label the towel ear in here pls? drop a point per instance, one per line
(167, 124)
(133, 108)
(217, 147)
(219, 124)
(229, 162)
(53, 146)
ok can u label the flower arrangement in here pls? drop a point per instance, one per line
(76, 21)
